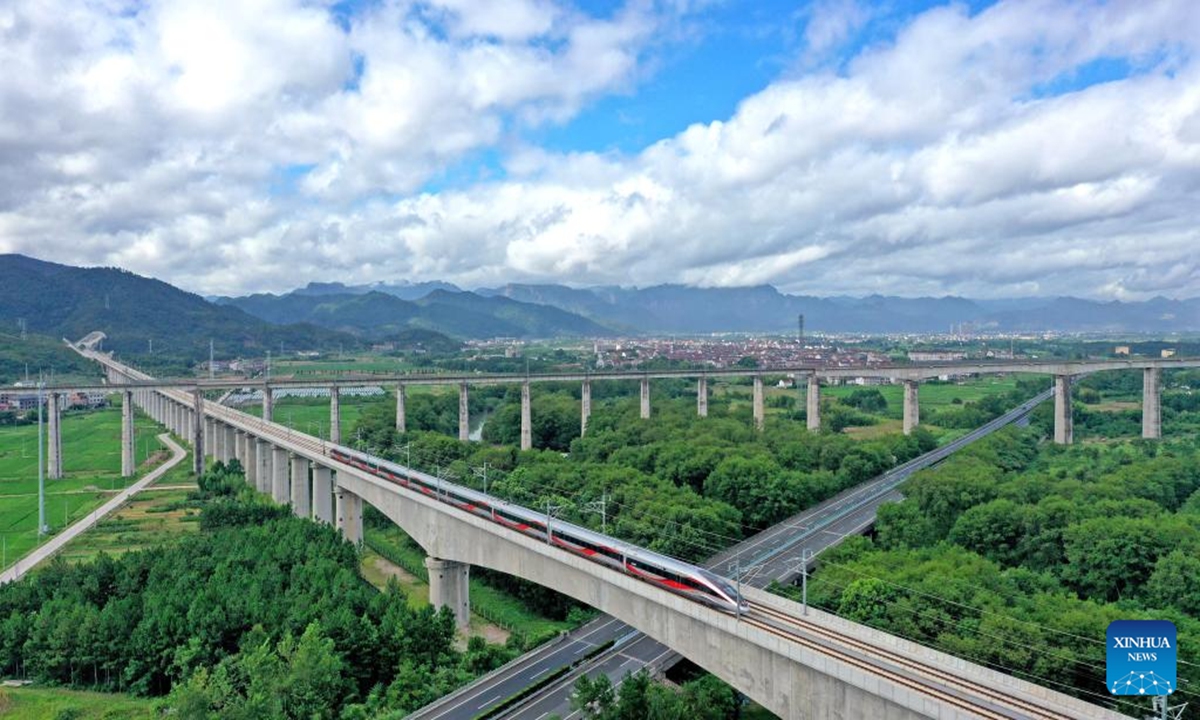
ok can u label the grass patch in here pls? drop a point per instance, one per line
(415, 589)
(487, 602)
(311, 415)
(37, 703)
(151, 519)
(92, 473)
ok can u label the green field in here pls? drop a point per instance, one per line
(92, 469)
(38, 703)
(151, 519)
(311, 415)
(932, 394)
(364, 364)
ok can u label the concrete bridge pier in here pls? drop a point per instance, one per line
(401, 421)
(758, 403)
(526, 421)
(812, 403)
(128, 463)
(349, 515)
(335, 415)
(702, 397)
(301, 487)
(912, 406)
(1064, 432)
(464, 413)
(229, 443)
(645, 398)
(54, 468)
(210, 438)
(449, 586)
(199, 447)
(281, 489)
(322, 494)
(1152, 403)
(268, 410)
(263, 465)
(244, 452)
(585, 406)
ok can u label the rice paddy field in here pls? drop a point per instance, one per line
(92, 473)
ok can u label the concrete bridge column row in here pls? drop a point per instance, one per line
(449, 586)
(349, 515)
(1063, 421)
(322, 495)
(812, 403)
(912, 408)
(281, 487)
(526, 421)
(585, 406)
(335, 415)
(128, 466)
(758, 403)
(401, 422)
(268, 408)
(464, 410)
(262, 459)
(645, 398)
(1151, 403)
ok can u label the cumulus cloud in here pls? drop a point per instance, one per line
(259, 145)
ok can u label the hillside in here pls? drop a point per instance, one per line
(683, 309)
(375, 314)
(64, 301)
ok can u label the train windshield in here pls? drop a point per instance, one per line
(722, 584)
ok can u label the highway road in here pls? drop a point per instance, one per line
(773, 554)
(32, 560)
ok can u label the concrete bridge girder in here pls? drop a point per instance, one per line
(780, 675)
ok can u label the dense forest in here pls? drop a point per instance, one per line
(1016, 553)
(260, 615)
(679, 484)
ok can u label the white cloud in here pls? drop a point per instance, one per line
(174, 139)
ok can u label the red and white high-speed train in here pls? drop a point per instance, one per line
(679, 577)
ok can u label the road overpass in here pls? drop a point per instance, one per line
(796, 665)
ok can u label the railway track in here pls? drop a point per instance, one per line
(923, 677)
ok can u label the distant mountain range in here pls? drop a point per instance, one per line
(682, 309)
(133, 311)
(375, 313)
(64, 301)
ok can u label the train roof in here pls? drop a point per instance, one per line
(559, 526)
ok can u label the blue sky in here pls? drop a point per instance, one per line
(836, 147)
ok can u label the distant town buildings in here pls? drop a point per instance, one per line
(1121, 350)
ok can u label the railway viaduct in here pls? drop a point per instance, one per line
(798, 663)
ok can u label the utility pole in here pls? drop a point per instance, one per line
(210, 359)
(550, 510)
(41, 466)
(151, 341)
(479, 472)
(268, 364)
(804, 556)
(600, 506)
